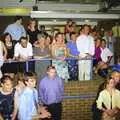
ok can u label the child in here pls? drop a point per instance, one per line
(26, 103)
(116, 76)
(6, 98)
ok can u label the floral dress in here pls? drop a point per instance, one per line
(61, 66)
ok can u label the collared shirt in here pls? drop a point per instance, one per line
(24, 52)
(73, 48)
(51, 90)
(85, 44)
(105, 53)
(16, 31)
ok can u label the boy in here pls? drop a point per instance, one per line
(26, 102)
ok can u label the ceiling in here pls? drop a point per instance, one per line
(66, 6)
(72, 1)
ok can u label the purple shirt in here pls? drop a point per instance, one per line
(97, 53)
(51, 90)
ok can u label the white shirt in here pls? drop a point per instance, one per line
(85, 44)
(24, 52)
(105, 53)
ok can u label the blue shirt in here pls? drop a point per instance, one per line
(116, 67)
(16, 31)
(51, 90)
(73, 48)
(27, 101)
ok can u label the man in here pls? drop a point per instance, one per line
(16, 29)
(51, 92)
(23, 51)
(86, 47)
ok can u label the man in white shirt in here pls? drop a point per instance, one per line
(86, 47)
(23, 50)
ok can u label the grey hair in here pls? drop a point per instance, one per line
(39, 36)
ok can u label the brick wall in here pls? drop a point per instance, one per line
(79, 108)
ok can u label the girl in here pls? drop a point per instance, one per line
(59, 52)
(108, 100)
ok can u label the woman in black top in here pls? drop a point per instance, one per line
(32, 31)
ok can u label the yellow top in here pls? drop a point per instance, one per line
(109, 100)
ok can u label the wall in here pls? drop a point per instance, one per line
(80, 108)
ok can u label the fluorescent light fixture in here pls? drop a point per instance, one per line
(50, 14)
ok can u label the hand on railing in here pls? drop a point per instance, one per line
(61, 58)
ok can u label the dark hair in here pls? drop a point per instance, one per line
(42, 26)
(103, 40)
(107, 80)
(31, 20)
(18, 18)
(86, 25)
(98, 39)
(59, 33)
(51, 38)
(5, 78)
(25, 38)
(28, 75)
(5, 35)
(72, 33)
(51, 67)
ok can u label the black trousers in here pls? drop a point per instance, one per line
(55, 109)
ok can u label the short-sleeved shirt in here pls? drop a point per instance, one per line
(25, 52)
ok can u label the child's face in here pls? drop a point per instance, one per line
(21, 83)
(116, 77)
(111, 83)
(31, 82)
(7, 86)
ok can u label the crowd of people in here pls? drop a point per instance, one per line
(83, 48)
(20, 99)
(64, 56)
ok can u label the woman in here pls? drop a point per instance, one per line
(7, 40)
(109, 101)
(41, 51)
(59, 52)
(3, 55)
(9, 44)
(32, 31)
